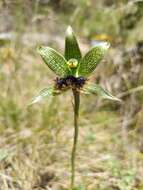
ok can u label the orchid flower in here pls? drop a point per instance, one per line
(73, 71)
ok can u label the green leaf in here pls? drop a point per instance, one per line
(71, 45)
(3, 154)
(90, 61)
(80, 187)
(98, 90)
(55, 61)
(46, 92)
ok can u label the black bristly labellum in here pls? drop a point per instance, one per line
(70, 82)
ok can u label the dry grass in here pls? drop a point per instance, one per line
(35, 142)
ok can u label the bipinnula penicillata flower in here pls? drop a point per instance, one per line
(72, 72)
(72, 69)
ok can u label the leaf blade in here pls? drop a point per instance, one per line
(72, 50)
(3, 154)
(55, 61)
(92, 58)
(100, 91)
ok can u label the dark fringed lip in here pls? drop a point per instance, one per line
(70, 82)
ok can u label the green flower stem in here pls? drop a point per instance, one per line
(76, 95)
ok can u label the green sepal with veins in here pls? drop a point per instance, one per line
(98, 90)
(54, 60)
(92, 58)
(46, 92)
(72, 50)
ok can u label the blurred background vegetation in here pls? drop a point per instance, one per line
(35, 142)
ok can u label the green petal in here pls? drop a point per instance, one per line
(55, 61)
(71, 45)
(90, 61)
(46, 92)
(98, 90)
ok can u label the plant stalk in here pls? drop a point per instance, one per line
(76, 95)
